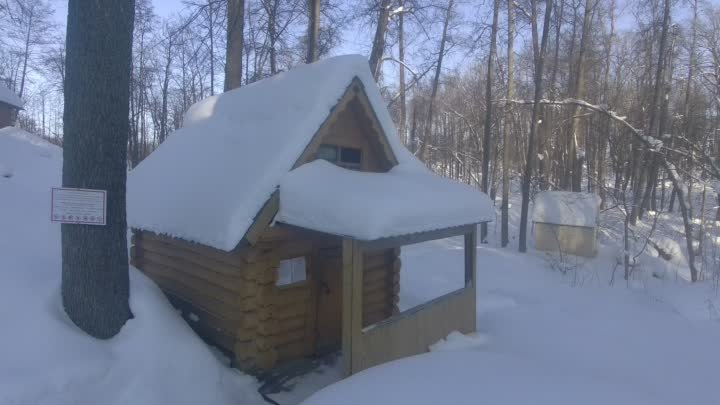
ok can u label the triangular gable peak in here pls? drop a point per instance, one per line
(352, 124)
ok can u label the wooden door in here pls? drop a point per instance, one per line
(329, 301)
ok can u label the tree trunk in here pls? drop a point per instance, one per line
(26, 56)
(605, 136)
(313, 30)
(539, 57)
(435, 84)
(576, 122)
(663, 121)
(487, 136)
(211, 34)
(547, 115)
(413, 128)
(401, 56)
(235, 43)
(378, 46)
(701, 231)
(272, 33)
(504, 233)
(95, 284)
(165, 93)
(655, 106)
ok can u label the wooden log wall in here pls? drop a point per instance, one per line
(381, 284)
(287, 313)
(209, 285)
(232, 300)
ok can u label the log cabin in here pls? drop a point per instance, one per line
(274, 220)
(10, 104)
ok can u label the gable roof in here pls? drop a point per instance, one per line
(209, 179)
(7, 96)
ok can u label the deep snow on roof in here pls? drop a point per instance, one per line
(208, 181)
(368, 206)
(7, 96)
(566, 208)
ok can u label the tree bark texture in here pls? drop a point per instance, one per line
(504, 208)
(487, 135)
(235, 43)
(378, 46)
(95, 285)
(539, 53)
(576, 122)
(401, 57)
(435, 84)
(313, 30)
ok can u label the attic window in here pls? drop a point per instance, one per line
(349, 158)
(291, 271)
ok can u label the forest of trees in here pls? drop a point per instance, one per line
(616, 97)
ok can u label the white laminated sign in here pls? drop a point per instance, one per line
(78, 206)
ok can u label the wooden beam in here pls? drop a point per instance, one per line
(470, 273)
(357, 304)
(364, 101)
(418, 237)
(263, 219)
(311, 305)
(470, 256)
(233, 258)
(345, 99)
(347, 299)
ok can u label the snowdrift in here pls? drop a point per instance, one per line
(45, 359)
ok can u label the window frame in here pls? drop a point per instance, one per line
(339, 155)
(293, 282)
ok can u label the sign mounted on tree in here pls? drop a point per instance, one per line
(78, 206)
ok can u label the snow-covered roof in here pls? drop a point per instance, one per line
(566, 208)
(368, 206)
(209, 179)
(7, 96)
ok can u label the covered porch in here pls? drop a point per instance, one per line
(372, 212)
(410, 332)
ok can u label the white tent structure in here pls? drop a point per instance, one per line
(566, 222)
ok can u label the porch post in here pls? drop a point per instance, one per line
(471, 268)
(352, 304)
(470, 256)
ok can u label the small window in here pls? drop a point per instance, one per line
(291, 271)
(349, 158)
(328, 152)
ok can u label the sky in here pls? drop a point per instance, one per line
(357, 38)
(163, 8)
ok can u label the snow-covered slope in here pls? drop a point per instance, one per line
(545, 337)
(543, 342)
(44, 358)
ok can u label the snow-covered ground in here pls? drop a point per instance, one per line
(542, 341)
(556, 331)
(551, 331)
(44, 358)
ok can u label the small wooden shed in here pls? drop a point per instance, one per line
(566, 222)
(274, 220)
(10, 104)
